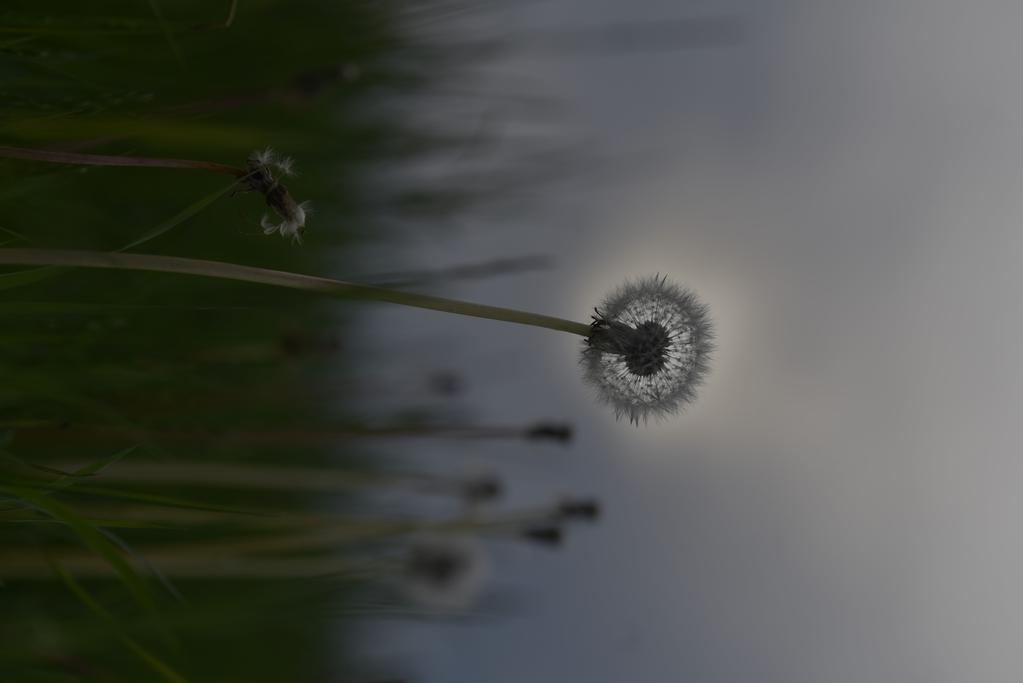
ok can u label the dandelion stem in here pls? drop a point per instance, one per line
(294, 437)
(106, 160)
(278, 278)
(29, 568)
(249, 477)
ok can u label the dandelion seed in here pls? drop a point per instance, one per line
(263, 157)
(648, 348)
(260, 178)
(286, 165)
(293, 220)
(446, 574)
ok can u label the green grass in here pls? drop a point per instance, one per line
(141, 354)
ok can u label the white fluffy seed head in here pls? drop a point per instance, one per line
(262, 165)
(648, 349)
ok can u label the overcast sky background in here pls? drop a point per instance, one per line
(841, 183)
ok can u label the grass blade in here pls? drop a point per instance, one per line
(187, 213)
(163, 669)
(32, 275)
(91, 537)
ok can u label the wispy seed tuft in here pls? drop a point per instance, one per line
(262, 167)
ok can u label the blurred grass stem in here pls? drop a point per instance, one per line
(78, 159)
(292, 437)
(308, 283)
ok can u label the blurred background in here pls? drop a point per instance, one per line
(837, 182)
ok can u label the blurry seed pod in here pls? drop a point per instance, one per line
(442, 573)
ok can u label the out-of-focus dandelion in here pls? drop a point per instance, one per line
(550, 430)
(579, 508)
(550, 535)
(481, 489)
(261, 178)
(648, 348)
(259, 175)
(444, 573)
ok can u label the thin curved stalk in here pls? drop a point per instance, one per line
(279, 278)
(108, 160)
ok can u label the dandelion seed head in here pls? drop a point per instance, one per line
(648, 349)
(260, 178)
(550, 535)
(445, 574)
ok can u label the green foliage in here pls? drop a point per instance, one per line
(95, 367)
